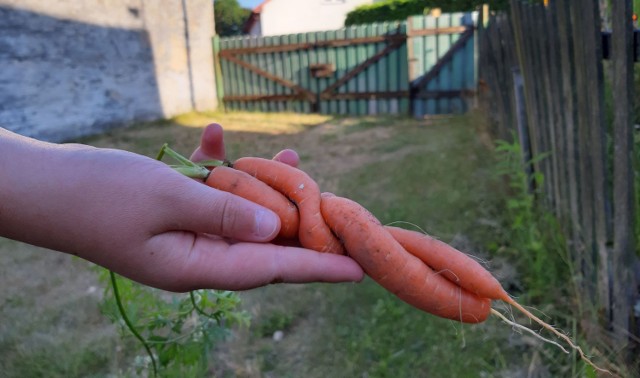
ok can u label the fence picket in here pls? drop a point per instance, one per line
(558, 49)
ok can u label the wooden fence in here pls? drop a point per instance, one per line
(425, 65)
(542, 70)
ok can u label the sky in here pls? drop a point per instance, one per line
(249, 3)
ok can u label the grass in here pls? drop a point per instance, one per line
(435, 174)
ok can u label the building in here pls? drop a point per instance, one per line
(278, 17)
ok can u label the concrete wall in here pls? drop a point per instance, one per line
(70, 68)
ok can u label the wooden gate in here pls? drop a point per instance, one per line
(425, 65)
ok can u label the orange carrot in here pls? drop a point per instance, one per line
(387, 262)
(248, 187)
(304, 192)
(469, 274)
(453, 264)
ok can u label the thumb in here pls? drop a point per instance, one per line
(203, 209)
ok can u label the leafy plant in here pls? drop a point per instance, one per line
(175, 332)
(533, 235)
(397, 10)
(229, 17)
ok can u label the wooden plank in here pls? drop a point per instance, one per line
(623, 257)
(392, 73)
(322, 82)
(569, 113)
(596, 125)
(273, 77)
(236, 73)
(414, 49)
(403, 72)
(443, 60)
(250, 78)
(557, 109)
(383, 80)
(370, 95)
(265, 84)
(430, 60)
(219, 83)
(533, 85)
(342, 42)
(287, 69)
(313, 82)
(304, 74)
(455, 29)
(279, 72)
(546, 96)
(294, 56)
(269, 67)
(332, 57)
(585, 262)
(523, 52)
(265, 97)
(360, 67)
(446, 93)
(361, 79)
(446, 74)
(492, 65)
(372, 80)
(349, 83)
(341, 69)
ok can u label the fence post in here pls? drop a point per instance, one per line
(623, 257)
(522, 126)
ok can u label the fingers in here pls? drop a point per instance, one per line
(211, 144)
(212, 147)
(288, 156)
(245, 265)
(202, 209)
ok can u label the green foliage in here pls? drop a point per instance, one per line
(278, 321)
(229, 17)
(533, 237)
(395, 10)
(178, 331)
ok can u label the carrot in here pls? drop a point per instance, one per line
(460, 288)
(469, 274)
(453, 264)
(248, 187)
(403, 274)
(296, 185)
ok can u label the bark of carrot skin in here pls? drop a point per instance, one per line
(391, 266)
(304, 192)
(248, 187)
(451, 263)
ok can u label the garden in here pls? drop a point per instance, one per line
(442, 174)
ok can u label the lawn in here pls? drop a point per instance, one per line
(436, 174)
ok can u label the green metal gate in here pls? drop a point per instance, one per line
(425, 65)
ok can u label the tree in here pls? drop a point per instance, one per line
(392, 10)
(230, 17)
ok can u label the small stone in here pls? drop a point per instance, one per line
(278, 335)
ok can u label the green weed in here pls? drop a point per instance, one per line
(176, 332)
(532, 235)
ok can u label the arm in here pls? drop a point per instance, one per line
(138, 217)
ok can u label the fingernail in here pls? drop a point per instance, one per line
(266, 224)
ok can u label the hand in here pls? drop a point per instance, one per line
(212, 147)
(141, 219)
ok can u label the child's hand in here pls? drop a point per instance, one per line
(143, 220)
(212, 147)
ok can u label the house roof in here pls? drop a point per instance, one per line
(254, 17)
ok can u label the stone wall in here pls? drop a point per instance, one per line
(70, 68)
